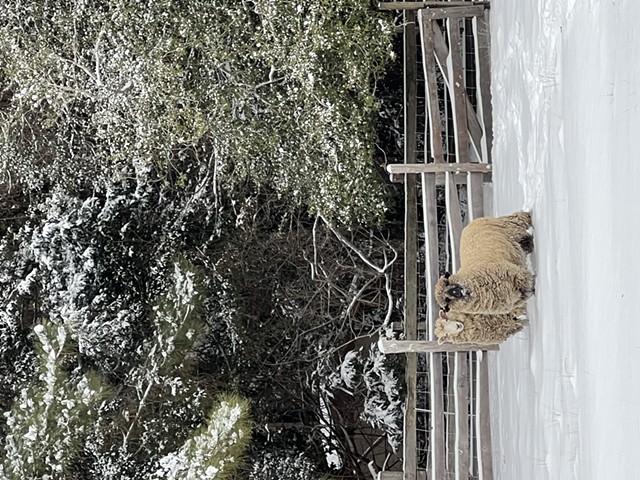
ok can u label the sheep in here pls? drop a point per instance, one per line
(493, 277)
(457, 327)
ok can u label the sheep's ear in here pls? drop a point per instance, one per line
(442, 339)
(442, 315)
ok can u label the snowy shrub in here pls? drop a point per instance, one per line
(283, 466)
(275, 93)
(366, 373)
(85, 276)
(53, 414)
(162, 376)
(382, 405)
(216, 450)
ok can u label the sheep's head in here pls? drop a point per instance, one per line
(447, 291)
(447, 329)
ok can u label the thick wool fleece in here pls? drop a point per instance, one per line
(481, 329)
(493, 277)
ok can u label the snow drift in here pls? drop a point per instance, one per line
(566, 391)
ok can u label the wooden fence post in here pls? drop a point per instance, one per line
(410, 466)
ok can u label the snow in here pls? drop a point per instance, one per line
(566, 392)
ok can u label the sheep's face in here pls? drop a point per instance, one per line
(450, 292)
(446, 329)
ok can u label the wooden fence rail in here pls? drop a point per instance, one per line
(389, 347)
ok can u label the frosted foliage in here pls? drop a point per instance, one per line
(282, 466)
(348, 369)
(383, 407)
(69, 251)
(275, 91)
(211, 453)
(366, 373)
(48, 421)
(91, 269)
(174, 323)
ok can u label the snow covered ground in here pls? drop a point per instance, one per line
(566, 96)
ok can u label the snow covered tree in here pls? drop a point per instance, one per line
(132, 311)
(214, 452)
(54, 413)
(167, 162)
(277, 94)
(168, 335)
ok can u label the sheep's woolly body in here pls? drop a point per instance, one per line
(493, 277)
(480, 329)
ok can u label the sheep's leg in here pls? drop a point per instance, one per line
(517, 327)
(526, 243)
(519, 312)
(525, 284)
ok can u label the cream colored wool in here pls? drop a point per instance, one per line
(493, 277)
(458, 327)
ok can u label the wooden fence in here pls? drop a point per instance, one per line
(447, 154)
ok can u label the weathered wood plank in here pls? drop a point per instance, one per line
(430, 221)
(437, 432)
(473, 463)
(390, 347)
(410, 86)
(452, 12)
(433, 125)
(432, 254)
(475, 187)
(457, 91)
(450, 419)
(399, 326)
(461, 401)
(410, 462)
(410, 440)
(454, 221)
(483, 421)
(422, 475)
(455, 168)
(473, 124)
(440, 178)
(419, 5)
(483, 82)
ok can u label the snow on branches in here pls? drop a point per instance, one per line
(214, 452)
(52, 415)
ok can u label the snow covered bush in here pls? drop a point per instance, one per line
(365, 376)
(73, 256)
(54, 413)
(132, 310)
(283, 466)
(276, 93)
(214, 452)
(382, 405)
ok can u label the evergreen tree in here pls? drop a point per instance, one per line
(54, 412)
(162, 166)
(215, 452)
(277, 94)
